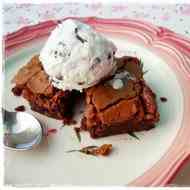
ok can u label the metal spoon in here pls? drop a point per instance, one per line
(22, 131)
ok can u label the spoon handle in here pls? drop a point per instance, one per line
(9, 118)
(6, 115)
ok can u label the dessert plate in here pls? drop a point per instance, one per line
(151, 161)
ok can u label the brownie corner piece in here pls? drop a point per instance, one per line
(32, 83)
(111, 111)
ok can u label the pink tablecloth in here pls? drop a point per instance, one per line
(173, 16)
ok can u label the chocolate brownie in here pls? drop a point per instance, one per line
(33, 84)
(121, 104)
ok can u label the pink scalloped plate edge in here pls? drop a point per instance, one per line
(172, 47)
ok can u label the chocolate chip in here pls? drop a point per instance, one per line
(60, 54)
(97, 60)
(61, 43)
(80, 83)
(59, 77)
(79, 37)
(109, 56)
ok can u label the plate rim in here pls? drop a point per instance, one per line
(152, 35)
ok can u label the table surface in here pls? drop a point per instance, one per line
(173, 16)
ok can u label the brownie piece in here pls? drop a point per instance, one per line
(121, 104)
(33, 84)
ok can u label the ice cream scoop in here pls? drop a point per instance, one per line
(75, 56)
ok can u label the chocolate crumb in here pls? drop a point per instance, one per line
(17, 91)
(77, 129)
(59, 77)
(80, 83)
(51, 130)
(20, 108)
(69, 121)
(62, 125)
(76, 30)
(163, 99)
(109, 56)
(98, 60)
(61, 43)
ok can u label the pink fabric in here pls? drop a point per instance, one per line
(172, 16)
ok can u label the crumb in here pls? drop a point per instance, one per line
(80, 83)
(163, 99)
(77, 129)
(16, 91)
(69, 121)
(103, 150)
(49, 131)
(62, 125)
(20, 108)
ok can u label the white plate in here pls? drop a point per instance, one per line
(49, 163)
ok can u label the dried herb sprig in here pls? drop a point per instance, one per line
(77, 132)
(103, 150)
(142, 66)
(133, 135)
(144, 72)
(83, 149)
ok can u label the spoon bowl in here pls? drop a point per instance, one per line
(22, 131)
